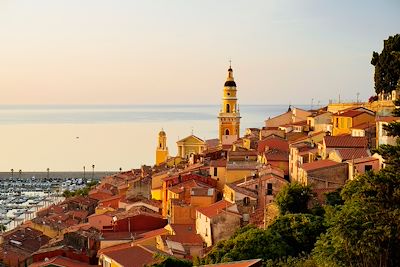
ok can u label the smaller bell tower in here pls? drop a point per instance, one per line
(162, 149)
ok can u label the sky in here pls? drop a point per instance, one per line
(178, 52)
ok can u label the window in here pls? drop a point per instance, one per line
(256, 186)
(215, 171)
(227, 132)
(367, 168)
(337, 123)
(228, 108)
(231, 196)
(246, 201)
(269, 189)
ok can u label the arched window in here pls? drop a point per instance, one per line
(227, 132)
(228, 108)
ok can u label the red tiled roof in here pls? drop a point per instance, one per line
(366, 159)
(218, 163)
(60, 261)
(364, 125)
(388, 119)
(273, 143)
(215, 209)
(140, 238)
(319, 164)
(346, 141)
(352, 153)
(132, 256)
(185, 234)
(277, 155)
(187, 185)
(350, 113)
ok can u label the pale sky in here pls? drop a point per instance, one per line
(177, 52)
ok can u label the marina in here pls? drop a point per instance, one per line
(21, 198)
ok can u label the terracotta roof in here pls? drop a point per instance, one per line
(352, 153)
(218, 163)
(346, 141)
(319, 164)
(138, 239)
(215, 209)
(185, 234)
(132, 256)
(60, 261)
(350, 113)
(364, 125)
(135, 211)
(243, 190)
(388, 119)
(244, 263)
(362, 160)
(212, 142)
(277, 155)
(273, 142)
(187, 185)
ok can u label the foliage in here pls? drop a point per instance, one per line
(387, 65)
(294, 198)
(302, 261)
(290, 234)
(334, 198)
(365, 231)
(168, 261)
(373, 98)
(80, 192)
(3, 228)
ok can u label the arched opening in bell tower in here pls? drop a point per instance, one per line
(227, 132)
(227, 108)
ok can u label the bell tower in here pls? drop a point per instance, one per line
(229, 115)
(162, 149)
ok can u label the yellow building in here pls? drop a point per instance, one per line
(343, 121)
(190, 146)
(229, 116)
(162, 149)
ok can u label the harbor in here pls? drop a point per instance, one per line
(24, 194)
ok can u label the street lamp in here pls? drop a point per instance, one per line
(12, 173)
(93, 172)
(48, 173)
(84, 172)
(20, 173)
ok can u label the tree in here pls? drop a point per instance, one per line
(387, 65)
(391, 153)
(289, 235)
(168, 261)
(365, 231)
(3, 228)
(294, 198)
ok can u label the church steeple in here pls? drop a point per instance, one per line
(229, 117)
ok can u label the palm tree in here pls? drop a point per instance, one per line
(93, 172)
(48, 173)
(20, 173)
(120, 169)
(84, 172)
(12, 173)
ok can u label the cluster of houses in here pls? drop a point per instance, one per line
(184, 205)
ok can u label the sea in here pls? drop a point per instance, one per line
(67, 138)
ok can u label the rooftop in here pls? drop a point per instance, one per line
(319, 164)
(346, 141)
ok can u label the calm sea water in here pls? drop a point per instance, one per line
(66, 138)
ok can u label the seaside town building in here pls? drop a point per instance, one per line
(229, 116)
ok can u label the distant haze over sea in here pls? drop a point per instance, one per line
(66, 138)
